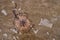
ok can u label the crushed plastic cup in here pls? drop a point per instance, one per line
(4, 11)
(46, 22)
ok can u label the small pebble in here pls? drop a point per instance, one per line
(47, 33)
(15, 31)
(4, 11)
(53, 38)
(14, 38)
(17, 37)
(13, 2)
(20, 33)
(5, 35)
(35, 31)
(19, 9)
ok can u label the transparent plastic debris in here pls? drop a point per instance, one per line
(35, 30)
(14, 30)
(46, 22)
(4, 11)
(5, 35)
(47, 33)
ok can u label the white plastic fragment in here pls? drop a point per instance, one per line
(15, 31)
(46, 22)
(47, 33)
(4, 11)
(5, 35)
(53, 38)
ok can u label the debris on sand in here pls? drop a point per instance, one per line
(4, 12)
(46, 22)
(14, 30)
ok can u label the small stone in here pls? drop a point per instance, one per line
(19, 9)
(15, 31)
(53, 38)
(47, 33)
(17, 37)
(35, 31)
(5, 35)
(13, 2)
(4, 11)
(14, 38)
(20, 33)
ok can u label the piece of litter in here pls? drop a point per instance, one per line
(47, 33)
(35, 31)
(4, 11)
(5, 35)
(53, 38)
(15, 31)
(45, 22)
